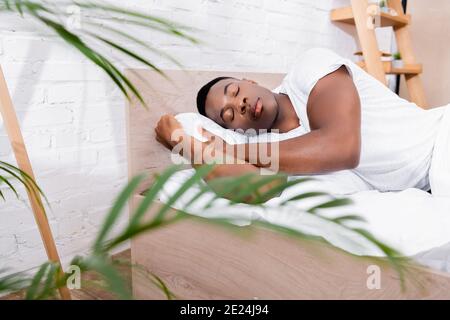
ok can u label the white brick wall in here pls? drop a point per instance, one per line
(72, 117)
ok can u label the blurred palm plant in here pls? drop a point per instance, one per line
(9, 172)
(45, 282)
(95, 39)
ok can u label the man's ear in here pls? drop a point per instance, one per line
(251, 81)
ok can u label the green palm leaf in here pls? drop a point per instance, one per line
(151, 194)
(331, 204)
(43, 283)
(305, 195)
(13, 282)
(116, 210)
(51, 15)
(22, 177)
(103, 266)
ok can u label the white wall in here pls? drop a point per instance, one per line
(72, 117)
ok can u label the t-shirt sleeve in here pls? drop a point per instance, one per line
(313, 65)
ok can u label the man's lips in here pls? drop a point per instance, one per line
(257, 109)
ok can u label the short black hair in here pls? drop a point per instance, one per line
(203, 92)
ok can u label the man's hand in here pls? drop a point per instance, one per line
(170, 134)
(169, 131)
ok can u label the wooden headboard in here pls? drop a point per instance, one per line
(162, 96)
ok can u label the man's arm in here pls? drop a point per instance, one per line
(334, 142)
(192, 148)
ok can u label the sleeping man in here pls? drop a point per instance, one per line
(352, 122)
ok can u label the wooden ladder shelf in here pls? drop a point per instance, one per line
(366, 17)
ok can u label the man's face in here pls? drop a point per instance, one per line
(241, 104)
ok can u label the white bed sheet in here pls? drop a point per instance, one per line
(412, 221)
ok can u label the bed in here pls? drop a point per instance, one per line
(206, 261)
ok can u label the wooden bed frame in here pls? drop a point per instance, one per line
(206, 261)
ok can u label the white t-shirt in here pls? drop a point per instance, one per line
(397, 136)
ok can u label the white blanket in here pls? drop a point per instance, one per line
(412, 221)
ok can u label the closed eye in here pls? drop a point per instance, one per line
(227, 114)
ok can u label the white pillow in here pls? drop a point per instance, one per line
(192, 121)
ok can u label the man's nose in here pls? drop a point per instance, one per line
(242, 108)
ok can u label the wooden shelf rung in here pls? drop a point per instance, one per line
(415, 68)
(345, 15)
